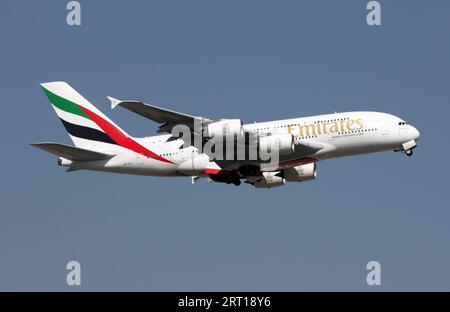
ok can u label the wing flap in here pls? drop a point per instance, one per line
(71, 152)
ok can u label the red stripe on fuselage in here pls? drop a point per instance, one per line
(120, 138)
(213, 171)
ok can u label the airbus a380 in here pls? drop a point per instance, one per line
(300, 143)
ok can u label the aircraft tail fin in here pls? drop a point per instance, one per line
(87, 126)
(70, 152)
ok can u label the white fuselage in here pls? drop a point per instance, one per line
(341, 134)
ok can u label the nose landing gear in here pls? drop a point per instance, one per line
(408, 147)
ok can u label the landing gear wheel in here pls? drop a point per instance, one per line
(237, 182)
(409, 152)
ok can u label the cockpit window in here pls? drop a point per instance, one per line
(402, 123)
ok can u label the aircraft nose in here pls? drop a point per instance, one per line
(415, 133)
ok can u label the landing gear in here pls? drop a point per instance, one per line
(249, 170)
(408, 147)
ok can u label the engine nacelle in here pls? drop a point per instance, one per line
(301, 173)
(270, 179)
(224, 128)
(284, 143)
(64, 162)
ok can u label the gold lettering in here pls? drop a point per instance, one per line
(350, 124)
(334, 127)
(325, 124)
(294, 130)
(338, 125)
(308, 128)
(319, 130)
(359, 123)
(342, 125)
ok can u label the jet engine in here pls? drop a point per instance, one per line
(224, 128)
(269, 180)
(284, 143)
(301, 173)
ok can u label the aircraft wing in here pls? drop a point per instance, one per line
(169, 118)
(166, 117)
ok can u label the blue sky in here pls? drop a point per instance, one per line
(254, 60)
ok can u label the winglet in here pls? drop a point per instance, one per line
(114, 102)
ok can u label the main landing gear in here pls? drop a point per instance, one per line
(231, 177)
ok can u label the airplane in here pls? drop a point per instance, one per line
(299, 143)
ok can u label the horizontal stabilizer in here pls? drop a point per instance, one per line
(71, 152)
